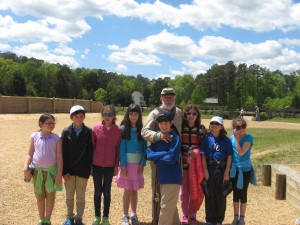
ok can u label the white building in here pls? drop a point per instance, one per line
(138, 98)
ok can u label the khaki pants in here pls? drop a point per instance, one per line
(156, 197)
(78, 185)
(168, 203)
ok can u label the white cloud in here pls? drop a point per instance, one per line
(41, 51)
(121, 68)
(290, 42)
(255, 15)
(137, 58)
(64, 50)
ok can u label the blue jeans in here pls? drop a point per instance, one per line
(102, 177)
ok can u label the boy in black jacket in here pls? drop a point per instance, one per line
(77, 151)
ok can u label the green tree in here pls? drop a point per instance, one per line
(198, 96)
(100, 95)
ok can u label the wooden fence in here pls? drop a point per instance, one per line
(17, 104)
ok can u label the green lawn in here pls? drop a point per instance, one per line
(286, 120)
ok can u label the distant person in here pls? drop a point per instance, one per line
(242, 113)
(132, 162)
(106, 138)
(257, 113)
(44, 164)
(241, 170)
(77, 149)
(152, 134)
(216, 151)
(191, 194)
(166, 156)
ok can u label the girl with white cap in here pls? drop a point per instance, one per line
(216, 151)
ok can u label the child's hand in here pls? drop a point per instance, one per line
(58, 180)
(124, 170)
(141, 170)
(206, 175)
(27, 175)
(226, 177)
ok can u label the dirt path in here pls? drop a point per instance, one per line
(17, 202)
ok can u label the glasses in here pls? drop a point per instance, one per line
(107, 114)
(241, 127)
(215, 123)
(50, 124)
(192, 114)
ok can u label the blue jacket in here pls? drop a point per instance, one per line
(166, 156)
(133, 147)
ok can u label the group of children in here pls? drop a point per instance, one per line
(196, 163)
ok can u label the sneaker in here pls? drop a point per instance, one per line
(46, 222)
(184, 220)
(69, 221)
(193, 221)
(41, 222)
(134, 220)
(97, 221)
(235, 222)
(125, 220)
(78, 222)
(105, 221)
(241, 222)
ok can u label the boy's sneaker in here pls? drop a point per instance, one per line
(46, 222)
(78, 221)
(193, 221)
(235, 222)
(134, 220)
(105, 221)
(97, 221)
(184, 220)
(125, 220)
(40, 222)
(69, 221)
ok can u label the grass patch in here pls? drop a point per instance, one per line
(286, 120)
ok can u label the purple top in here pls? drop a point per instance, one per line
(44, 155)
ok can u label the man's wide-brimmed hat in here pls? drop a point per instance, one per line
(168, 91)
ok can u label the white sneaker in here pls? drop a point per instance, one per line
(125, 220)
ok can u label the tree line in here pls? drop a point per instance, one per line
(235, 86)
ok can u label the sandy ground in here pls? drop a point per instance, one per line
(17, 201)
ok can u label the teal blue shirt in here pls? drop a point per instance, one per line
(133, 150)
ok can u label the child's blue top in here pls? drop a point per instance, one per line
(166, 156)
(246, 157)
(218, 149)
(133, 150)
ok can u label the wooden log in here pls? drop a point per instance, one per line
(280, 187)
(266, 175)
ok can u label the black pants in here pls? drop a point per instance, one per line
(215, 203)
(240, 195)
(102, 177)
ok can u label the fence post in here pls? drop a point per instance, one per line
(91, 105)
(280, 186)
(1, 104)
(266, 175)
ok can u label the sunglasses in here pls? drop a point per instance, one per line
(215, 123)
(107, 114)
(241, 127)
(192, 114)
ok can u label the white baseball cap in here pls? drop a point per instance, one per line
(217, 119)
(76, 108)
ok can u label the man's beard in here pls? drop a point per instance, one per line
(168, 107)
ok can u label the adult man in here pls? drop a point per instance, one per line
(151, 133)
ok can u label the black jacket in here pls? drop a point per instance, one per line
(77, 151)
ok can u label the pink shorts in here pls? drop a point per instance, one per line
(133, 180)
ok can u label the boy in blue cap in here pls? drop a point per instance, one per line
(166, 155)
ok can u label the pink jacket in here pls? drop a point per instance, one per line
(196, 176)
(106, 144)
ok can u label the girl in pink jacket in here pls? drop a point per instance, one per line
(106, 141)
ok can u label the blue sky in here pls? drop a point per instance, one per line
(154, 38)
